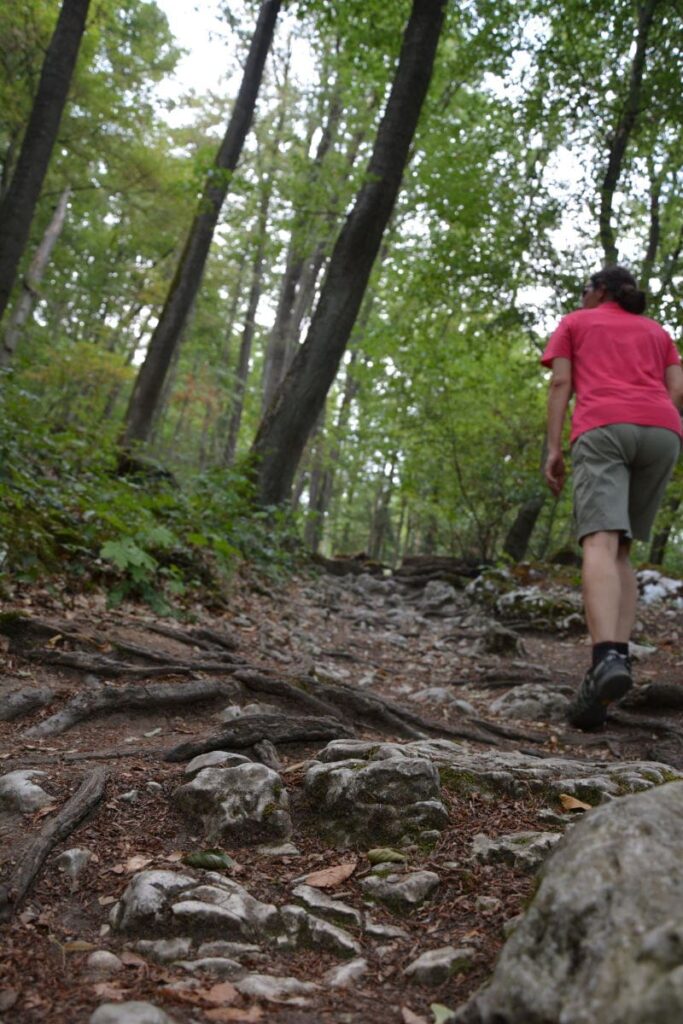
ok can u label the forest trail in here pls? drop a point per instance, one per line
(398, 715)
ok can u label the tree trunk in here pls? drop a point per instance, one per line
(518, 536)
(32, 279)
(623, 130)
(19, 203)
(661, 538)
(188, 275)
(242, 371)
(297, 403)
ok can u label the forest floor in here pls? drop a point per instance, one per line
(339, 631)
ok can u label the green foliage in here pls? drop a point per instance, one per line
(67, 516)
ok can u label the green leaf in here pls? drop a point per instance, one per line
(210, 860)
(442, 1014)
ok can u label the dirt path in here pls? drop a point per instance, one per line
(319, 649)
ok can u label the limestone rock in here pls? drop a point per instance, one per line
(401, 892)
(375, 930)
(277, 990)
(602, 942)
(509, 772)
(346, 975)
(322, 905)
(437, 965)
(129, 1013)
(305, 930)
(245, 804)
(73, 863)
(164, 951)
(177, 905)
(531, 701)
(220, 966)
(499, 639)
(380, 801)
(102, 964)
(19, 793)
(525, 850)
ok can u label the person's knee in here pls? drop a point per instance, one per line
(603, 542)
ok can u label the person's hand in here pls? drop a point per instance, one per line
(554, 472)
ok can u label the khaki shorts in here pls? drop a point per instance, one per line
(620, 473)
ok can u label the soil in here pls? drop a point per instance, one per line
(309, 624)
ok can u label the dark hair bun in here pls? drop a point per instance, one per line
(630, 298)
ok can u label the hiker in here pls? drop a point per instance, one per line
(625, 439)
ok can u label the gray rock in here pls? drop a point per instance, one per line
(73, 863)
(524, 850)
(376, 802)
(245, 804)
(438, 596)
(487, 904)
(19, 793)
(374, 930)
(129, 1013)
(176, 904)
(533, 702)
(499, 639)
(305, 930)
(230, 950)
(346, 975)
(222, 967)
(102, 964)
(164, 951)
(322, 905)
(438, 965)
(278, 990)
(213, 759)
(603, 938)
(401, 892)
(278, 850)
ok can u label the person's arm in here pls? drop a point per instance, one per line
(558, 400)
(673, 378)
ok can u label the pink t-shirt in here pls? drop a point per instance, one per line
(618, 364)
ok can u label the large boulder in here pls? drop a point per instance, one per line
(376, 802)
(602, 942)
(243, 804)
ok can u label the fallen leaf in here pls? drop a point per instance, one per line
(224, 1014)
(132, 959)
(385, 855)
(327, 878)
(570, 803)
(174, 857)
(210, 860)
(442, 1014)
(106, 901)
(109, 990)
(78, 946)
(8, 998)
(411, 1018)
(220, 994)
(118, 869)
(137, 863)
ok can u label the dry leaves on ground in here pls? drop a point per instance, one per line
(328, 878)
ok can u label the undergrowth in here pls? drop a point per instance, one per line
(66, 514)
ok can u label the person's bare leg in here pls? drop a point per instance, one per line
(602, 585)
(629, 594)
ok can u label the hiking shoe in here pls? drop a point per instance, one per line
(608, 681)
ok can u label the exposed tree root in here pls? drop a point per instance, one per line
(654, 695)
(23, 702)
(86, 797)
(147, 698)
(101, 665)
(252, 730)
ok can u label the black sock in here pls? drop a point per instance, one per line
(601, 650)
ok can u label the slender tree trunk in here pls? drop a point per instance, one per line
(623, 130)
(297, 403)
(518, 536)
(32, 279)
(242, 371)
(188, 275)
(19, 203)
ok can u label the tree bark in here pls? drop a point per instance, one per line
(19, 203)
(282, 434)
(518, 536)
(623, 130)
(188, 275)
(32, 279)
